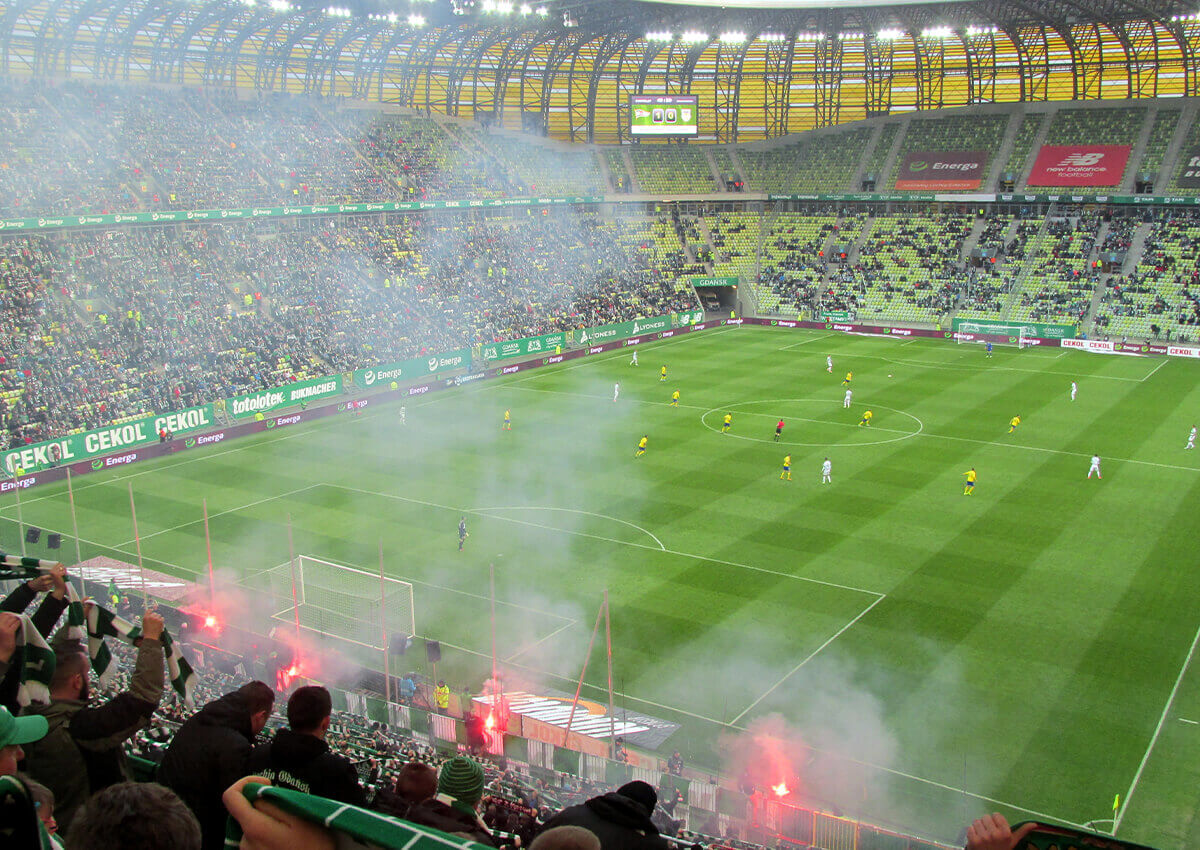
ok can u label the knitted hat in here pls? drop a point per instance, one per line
(640, 792)
(462, 779)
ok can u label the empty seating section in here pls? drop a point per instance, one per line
(909, 265)
(1096, 127)
(1191, 143)
(545, 169)
(674, 168)
(953, 133)
(618, 174)
(1058, 281)
(724, 163)
(1161, 297)
(1160, 138)
(1027, 131)
(825, 163)
(734, 237)
(879, 156)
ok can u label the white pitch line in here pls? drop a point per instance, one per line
(1192, 722)
(487, 511)
(805, 342)
(621, 352)
(807, 659)
(184, 525)
(538, 643)
(1157, 731)
(1155, 369)
(645, 546)
(983, 367)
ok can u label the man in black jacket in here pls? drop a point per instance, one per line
(84, 750)
(621, 820)
(211, 751)
(300, 759)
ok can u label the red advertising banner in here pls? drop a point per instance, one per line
(941, 170)
(1080, 165)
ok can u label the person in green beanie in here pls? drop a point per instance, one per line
(455, 807)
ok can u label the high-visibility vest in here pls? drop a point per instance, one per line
(441, 696)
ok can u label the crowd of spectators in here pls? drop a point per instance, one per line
(102, 326)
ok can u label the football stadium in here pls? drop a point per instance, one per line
(763, 425)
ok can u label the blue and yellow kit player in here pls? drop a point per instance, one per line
(727, 424)
(507, 426)
(970, 488)
(1013, 423)
(662, 376)
(641, 449)
(849, 378)
(787, 468)
(675, 399)
(866, 420)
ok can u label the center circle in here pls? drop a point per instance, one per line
(825, 416)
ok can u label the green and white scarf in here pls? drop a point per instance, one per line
(102, 623)
(35, 659)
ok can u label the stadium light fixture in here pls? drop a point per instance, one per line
(280, 6)
(541, 11)
(937, 32)
(889, 35)
(809, 37)
(773, 37)
(249, 2)
(694, 37)
(973, 31)
(504, 7)
(1186, 18)
(733, 37)
(416, 21)
(851, 36)
(525, 10)
(660, 35)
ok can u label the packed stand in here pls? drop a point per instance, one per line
(105, 326)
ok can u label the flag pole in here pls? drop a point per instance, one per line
(492, 592)
(295, 599)
(387, 672)
(138, 540)
(212, 582)
(612, 718)
(20, 522)
(579, 687)
(75, 527)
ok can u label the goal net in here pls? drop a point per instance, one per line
(1014, 334)
(336, 601)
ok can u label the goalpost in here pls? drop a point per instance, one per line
(336, 601)
(1015, 334)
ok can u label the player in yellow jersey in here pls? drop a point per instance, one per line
(662, 376)
(970, 488)
(787, 468)
(866, 420)
(727, 424)
(641, 447)
(675, 399)
(507, 421)
(1013, 423)
(849, 378)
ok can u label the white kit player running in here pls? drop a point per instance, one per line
(1191, 439)
(828, 363)
(827, 472)
(402, 416)
(1074, 389)
(846, 400)
(616, 391)
(1095, 467)
(633, 362)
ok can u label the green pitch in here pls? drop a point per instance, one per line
(1024, 649)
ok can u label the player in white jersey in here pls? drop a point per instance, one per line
(1191, 439)
(616, 391)
(1095, 467)
(402, 415)
(1074, 389)
(633, 362)
(828, 363)
(827, 472)
(846, 400)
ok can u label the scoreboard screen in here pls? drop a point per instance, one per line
(663, 115)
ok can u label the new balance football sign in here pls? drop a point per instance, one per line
(1189, 176)
(1080, 165)
(941, 170)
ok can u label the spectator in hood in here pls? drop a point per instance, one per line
(621, 819)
